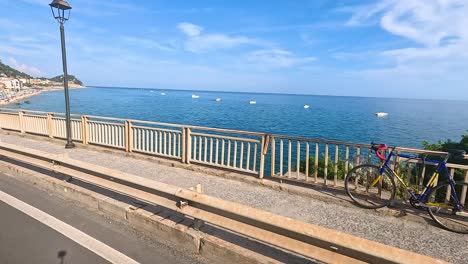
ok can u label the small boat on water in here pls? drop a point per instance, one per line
(195, 96)
(306, 106)
(218, 99)
(381, 114)
(163, 93)
(151, 91)
(252, 102)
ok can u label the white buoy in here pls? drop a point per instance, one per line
(381, 114)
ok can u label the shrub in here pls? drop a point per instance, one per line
(321, 167)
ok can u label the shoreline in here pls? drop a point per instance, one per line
(15, 99)
(18, 98)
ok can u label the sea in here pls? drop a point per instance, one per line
(352, 119)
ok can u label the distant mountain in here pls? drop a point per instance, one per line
(71, 78)
(7, 71)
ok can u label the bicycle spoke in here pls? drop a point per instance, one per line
(443, 208)
(368, 188)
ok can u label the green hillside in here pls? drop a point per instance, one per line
(71, 79)
(8, 71)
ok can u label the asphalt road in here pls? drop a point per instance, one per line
(24, 239)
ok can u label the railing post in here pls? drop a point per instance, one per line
(188, 144)
(273, 158)
(265, 143)
(325, 169)
(84, 130)
(128, 136)
(21, 121)
(50, 125)
(184, 145)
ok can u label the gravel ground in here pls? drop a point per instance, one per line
(419, 237)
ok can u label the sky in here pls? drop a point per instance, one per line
(382, 48)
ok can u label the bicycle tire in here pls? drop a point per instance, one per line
(442, 210)
(358, 189)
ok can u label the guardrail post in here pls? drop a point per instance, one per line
(50, 125)
(265, 143)
(21, 121)
(84, 130)
(188, 144)
(128, 136)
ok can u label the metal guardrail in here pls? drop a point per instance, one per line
(301, 238)
(307, 160)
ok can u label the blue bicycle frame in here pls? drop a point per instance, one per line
(441, 167)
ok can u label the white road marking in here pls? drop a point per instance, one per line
(74, 234)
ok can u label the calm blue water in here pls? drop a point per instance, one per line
(409, 122)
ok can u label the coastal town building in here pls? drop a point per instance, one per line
(11, 84)
(40, 82)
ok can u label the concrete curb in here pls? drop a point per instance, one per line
(155, 221)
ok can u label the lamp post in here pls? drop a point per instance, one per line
(61, 12)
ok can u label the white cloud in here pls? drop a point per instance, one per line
(427, 22)
(439, 50)
(31, 70)
(361, 14)
(189, 29)
(276, 58)
(198, 42)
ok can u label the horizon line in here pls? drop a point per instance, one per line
(277, 93)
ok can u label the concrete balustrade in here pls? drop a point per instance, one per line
(306, 160)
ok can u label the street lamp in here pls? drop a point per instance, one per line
(61, 12)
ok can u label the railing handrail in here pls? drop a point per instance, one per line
(302, 238)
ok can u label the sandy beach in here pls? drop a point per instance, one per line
(13, 97)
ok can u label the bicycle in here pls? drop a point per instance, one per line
(373, 187)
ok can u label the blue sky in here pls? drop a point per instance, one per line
(384, 48)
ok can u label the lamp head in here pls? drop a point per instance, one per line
(60, 10)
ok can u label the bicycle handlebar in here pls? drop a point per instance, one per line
(453, 153)
(378, 148)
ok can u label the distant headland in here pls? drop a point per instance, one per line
(16, 85)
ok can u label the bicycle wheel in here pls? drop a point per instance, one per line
(368, 188)
(444, 210)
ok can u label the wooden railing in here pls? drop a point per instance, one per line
(307, 160)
